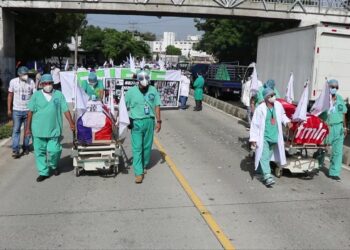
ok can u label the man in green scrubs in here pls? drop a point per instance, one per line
(93, 87)
(143, 103)
(336, 120)
(45, 123)
(259, 97)
(198, 92)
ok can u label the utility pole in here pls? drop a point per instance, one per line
(133, 27)
(76, 51)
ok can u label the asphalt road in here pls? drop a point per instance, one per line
(208, 147)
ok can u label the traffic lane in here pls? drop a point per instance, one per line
(210, 149)
(95, 212)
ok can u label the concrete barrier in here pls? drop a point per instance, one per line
(242, 114)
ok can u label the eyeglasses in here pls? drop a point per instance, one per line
(333, 87)
(272, 95)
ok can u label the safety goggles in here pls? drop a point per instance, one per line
(46, 83)
(143, 77)
(333, 87)
(272, 95)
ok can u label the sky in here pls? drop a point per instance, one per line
(180, 25)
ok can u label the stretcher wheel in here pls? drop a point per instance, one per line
(278, 172)
(77, 172)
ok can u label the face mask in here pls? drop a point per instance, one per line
(24, 78)
(333, 91)
(92, 84)
(48, 88)
(144, 83)
(271, 99)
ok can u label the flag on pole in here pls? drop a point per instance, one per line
(66, 67)
(143, 63)
(35, 66)
(290, 89)
(123, 119)
(111, 102)
(105, 64)
(132, 62)
(161, 64)
(111, 62)
(81, 99)
(301, 110)
(323, 102)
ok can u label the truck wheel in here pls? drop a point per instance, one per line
(217, 93)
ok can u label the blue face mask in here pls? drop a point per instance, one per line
(333, 91)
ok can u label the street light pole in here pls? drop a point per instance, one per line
(76, 51)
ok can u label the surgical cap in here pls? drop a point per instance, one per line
(92, 77)
(333, 82)
(142, 75)
(267, 92)
(46, 78)
(22, 70)
(270, 84)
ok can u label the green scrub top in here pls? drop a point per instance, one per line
(336, 114)
(259, 95)
(47, 119)
(271, 130)
(198, 88)
(141, 105)
(92, 90)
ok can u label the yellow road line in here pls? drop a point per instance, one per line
(215, 228)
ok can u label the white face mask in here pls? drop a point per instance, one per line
(48, 88)
(144, 83)
(272, 99)
(24, 78)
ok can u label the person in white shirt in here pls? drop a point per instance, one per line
(184, 90)
(20, 91)
(55, 72)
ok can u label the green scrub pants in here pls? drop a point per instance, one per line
(47, 153)
(264, 166)
(141, 141)
(336, 140)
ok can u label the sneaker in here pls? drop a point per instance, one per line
(138, 179)
(269, 182)
(336, 178)
(41, 178)
(56, 172)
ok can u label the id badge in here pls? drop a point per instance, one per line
(273, 121)
(24, 97)
(146, 109)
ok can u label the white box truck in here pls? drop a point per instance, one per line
(312, 53)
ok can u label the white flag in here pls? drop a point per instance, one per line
(105, 64)
(161, 64)
(323, 102)
(35, 66)
(111, 102)
(124, 120)
(301, 110)
(290, 89)
(143, 63)
(132, 62)
(254, 86)
(111, 62)
(81, 99)
(66, 67)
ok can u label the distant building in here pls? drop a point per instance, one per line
(186, 46)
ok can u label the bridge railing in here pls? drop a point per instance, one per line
(328, 4)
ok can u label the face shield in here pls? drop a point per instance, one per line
(143, 78)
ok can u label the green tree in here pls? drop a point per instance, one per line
(43, 35)
(172, 50)
(230, 39)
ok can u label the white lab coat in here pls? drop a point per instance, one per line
(257, 129)
(247, 92)
(184, 86)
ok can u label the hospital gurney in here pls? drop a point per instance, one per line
(96, 144)
(304, 143)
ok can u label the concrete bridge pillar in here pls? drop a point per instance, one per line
(7, 48)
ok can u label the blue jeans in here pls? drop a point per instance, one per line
(19, 118)
(183, 100)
